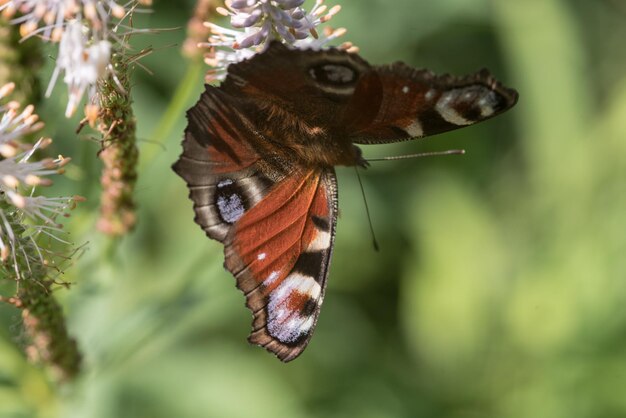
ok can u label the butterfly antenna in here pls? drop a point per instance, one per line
(367, 211)
(418, 155)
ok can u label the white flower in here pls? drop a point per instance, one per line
(47, 17)
(272, 18)
(85, 32)
(255, 23)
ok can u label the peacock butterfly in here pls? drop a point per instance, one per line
(258, 157)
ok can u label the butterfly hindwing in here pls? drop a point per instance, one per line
(279, 252)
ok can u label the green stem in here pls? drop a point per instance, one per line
(187, 86)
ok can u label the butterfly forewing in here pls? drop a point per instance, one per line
(396, 102)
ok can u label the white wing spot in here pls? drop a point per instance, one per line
(320, 243)
(447, 112)
(430, 94)
(414, 130)
(224, 183)
(487, 103)
(286, 324)
(261, 256)
(405, 89)
(486, 111)
(231, 209)
(271, 278)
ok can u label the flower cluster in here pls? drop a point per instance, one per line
(24, 215)
(83, 29)
(257, 22)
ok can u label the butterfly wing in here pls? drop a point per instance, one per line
(396, 102)
(280, 251)
(223, 172)
(277, 222)
(365, 104)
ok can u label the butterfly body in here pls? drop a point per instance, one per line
(258, 158)
(303, 135)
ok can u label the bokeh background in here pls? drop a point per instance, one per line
(500, 287)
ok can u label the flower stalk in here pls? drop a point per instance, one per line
(48, 341)
(119, 151)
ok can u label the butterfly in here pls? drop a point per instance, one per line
(259, 153)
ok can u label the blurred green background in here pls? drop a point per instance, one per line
(500, 289)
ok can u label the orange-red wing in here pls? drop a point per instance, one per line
(279, 252)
